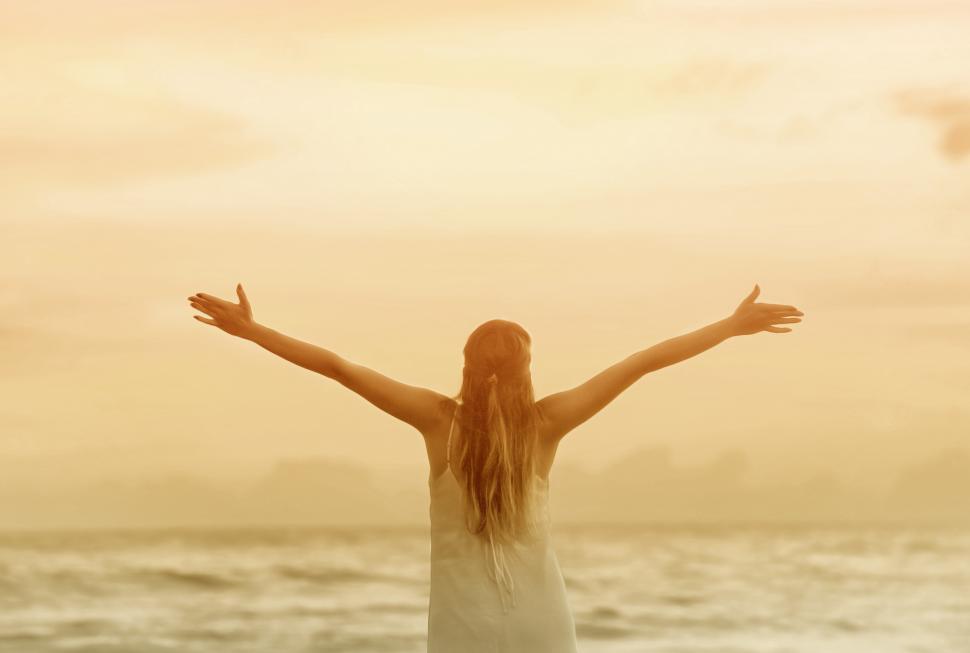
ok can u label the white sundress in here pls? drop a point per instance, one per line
(468, 611)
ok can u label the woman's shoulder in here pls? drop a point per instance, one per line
(445, 409)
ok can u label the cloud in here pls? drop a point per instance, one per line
(262, 20)
(895, 291)
(806, 125)
(955, 333)
(949, 110)
(713, 76)
(65, 132)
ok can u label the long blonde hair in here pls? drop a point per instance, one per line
(497, 413)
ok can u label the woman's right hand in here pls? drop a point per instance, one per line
(234, 319)
(750, 317)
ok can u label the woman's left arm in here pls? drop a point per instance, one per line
(417, 406)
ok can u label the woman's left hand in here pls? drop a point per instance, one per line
(751, 317)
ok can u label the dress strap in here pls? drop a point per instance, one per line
(450, 429)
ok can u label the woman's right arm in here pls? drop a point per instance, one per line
(415, 405)
(564, 411)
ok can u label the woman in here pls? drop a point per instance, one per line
(496, 584)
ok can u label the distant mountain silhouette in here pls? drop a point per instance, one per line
(318, 490)
(642, 486)
(936, 490)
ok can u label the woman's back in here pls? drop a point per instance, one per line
(470, 609)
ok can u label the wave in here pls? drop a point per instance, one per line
(671, 592)
(330, 576)
(196, 579)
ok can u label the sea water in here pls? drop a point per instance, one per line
(651, 588)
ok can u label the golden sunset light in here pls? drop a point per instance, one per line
(384, 177)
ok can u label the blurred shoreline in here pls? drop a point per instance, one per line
(563, 527)
(632, 587)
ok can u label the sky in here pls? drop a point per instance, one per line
(384, 178)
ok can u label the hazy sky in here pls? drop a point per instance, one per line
(383, 177)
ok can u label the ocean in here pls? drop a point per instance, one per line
(650, 588)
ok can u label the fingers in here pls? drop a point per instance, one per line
(205, 319)
(243, 300)
(207, 309)
(213, 300)
(752, 295)
(203, 302)
(786, 320)
(779, 307)
(194, 299)
(777, 329)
